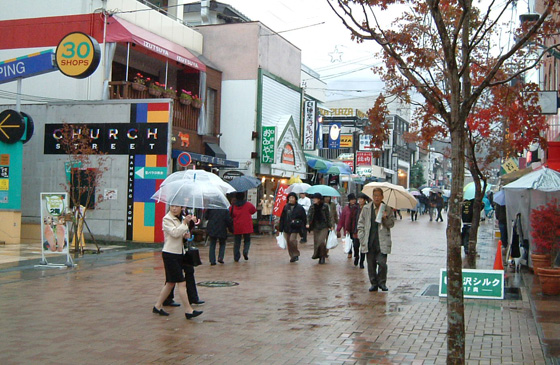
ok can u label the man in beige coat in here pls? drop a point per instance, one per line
(375, 239)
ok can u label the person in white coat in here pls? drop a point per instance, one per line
(174, 229)
(305, 202)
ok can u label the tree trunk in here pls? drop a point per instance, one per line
(455, 309)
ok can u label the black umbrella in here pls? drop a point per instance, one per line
(244, 183)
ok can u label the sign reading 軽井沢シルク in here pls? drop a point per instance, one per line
(483, 284)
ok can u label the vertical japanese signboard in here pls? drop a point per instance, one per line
(309, 114)
(482, 284)
(268, 141)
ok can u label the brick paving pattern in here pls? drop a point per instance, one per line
(280, 313)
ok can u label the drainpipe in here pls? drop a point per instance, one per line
(204, 11)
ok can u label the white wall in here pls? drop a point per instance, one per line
(238, 120)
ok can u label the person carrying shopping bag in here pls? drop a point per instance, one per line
(319, 221)
(292, 221)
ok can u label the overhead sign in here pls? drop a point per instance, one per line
(78, 55)
(365, 142)
(482, 284)
(309, 117)
(26, 66)
(12, 126)
(184, 159)
(334, 135)
(346, 140)
(364, 158)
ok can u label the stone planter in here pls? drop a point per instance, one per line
(139, 87)
(550, 280)
(538, 260)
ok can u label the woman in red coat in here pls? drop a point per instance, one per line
(241, 212)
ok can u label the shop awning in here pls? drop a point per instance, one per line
(119, 30)
(213, 149)
(216, 161)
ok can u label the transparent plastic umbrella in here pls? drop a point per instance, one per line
(193, 194)
(201, 176)
(298, 188)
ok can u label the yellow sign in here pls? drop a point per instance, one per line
(510, 166)
(345, 140)
(4, 184)
(78, 55)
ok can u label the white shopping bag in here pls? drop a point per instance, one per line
(347, 240)
(281, 241)
(332, 241)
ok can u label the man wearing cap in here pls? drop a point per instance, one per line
(319, 222)
(374, 233)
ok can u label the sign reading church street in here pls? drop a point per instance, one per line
(114, 139)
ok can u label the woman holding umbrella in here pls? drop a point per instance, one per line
(174, 229)
(319, 222)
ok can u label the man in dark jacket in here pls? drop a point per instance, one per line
(292, 221)
(219, 221)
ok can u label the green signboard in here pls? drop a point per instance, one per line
(268, 140)
(483, 284)
(151, 172)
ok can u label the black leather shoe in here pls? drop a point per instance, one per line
(293, 259)
(212, 264)
(193, 314)
(373, 288)
(171, 304)
(198, 302)
(220, 261)
(322, 260)
(356, 261)
(383, 287)
(161, 312)
(246, 257)
(297, 258)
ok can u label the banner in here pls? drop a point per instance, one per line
(334, 136)
(481, 284)
(309, 115)
(268, 140)
(280, 201)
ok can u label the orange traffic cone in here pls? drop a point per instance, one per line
(498, 264)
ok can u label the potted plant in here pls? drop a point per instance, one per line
(196, 102)
(140, 82)
(186, 97)
(169, 92)
(545, 224)
(156, 89)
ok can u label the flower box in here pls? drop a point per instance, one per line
(139, 87)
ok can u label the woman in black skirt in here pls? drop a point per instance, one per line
(174, 229)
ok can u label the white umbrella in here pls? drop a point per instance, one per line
(200, 176)
(193, 194)
(394, 196)
(298, 188)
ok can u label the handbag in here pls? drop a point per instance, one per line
(191, 255)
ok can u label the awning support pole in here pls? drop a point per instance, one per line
(166, 70)
(127, 60)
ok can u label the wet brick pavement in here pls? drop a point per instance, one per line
(280, 313)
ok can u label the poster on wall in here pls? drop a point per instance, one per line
(268, 142)
(334, 135)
